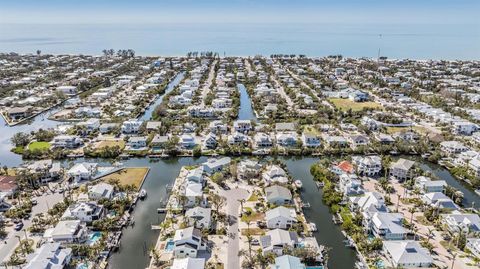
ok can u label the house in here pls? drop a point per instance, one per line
(452, 147)
(402, 169)
(49, 256)
(387, 226)
(18, 113)
(131, 126)
(473, 245)
(287, 262)
(187, 141)
(137, 142)
(188, 242)
(248, 169)
(106, 128)
(275, 241)
(243, 126)
(358, 140)
(280, 217)
(285, 127)
(368, 203)
(464, 128)
(4, 205)
(188, 263)
(100, 191)
(216, 165)
(153, 126)
(427, 185)
(465, 222)
(278, 195)
(210, 141)
(194, 194)
(350, 185)
(407, 254)
(195, 175)
(439, 200)
(384, 138)
(159, 141)
(368, 165)
(287, 139)
(84, 211)
(344, 167)
(218, 127)
(199, 217)
(45, 170)
(67, 231)
(8, 185)
(238, 138)
(67, 90)
(262, 140)
(275, 174)
(66, 141)
(82, 171)
(310, 140)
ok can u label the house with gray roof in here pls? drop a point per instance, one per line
(387, 226)
(278, 195)
(465, 222)
(280, 217)
(49, 256)
(188, 242)
(274, 241)
(407, 254)
(199, 217)
(402, 169)
(287, 262)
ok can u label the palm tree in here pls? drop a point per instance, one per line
(412, 210)
(241, 206)
(429, 235)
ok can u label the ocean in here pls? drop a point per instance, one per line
(415, 41)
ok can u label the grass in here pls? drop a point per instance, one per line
(252, 216)
(111, 143)
(37, 145)
(309, 129)
(253, 197)
(346, 104)
(128, 176)
(418, 129)
(253, 231)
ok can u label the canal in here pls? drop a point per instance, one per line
(246, 111)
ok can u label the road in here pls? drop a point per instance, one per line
(233, 197)
(208, 83)
(45, 202)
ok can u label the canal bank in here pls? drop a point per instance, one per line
(246, 111)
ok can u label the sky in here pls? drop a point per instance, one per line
(240, 11)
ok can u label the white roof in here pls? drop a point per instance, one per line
(188, 263)
(404, 251)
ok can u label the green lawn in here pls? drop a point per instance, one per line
(128, 176)
(38, 145)
(346, 104)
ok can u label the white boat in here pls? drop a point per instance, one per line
(312, 226)
(298, 183)
(142, 194)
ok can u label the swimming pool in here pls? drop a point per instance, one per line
(379, 264)
(169, 246)
(314, 267)
(82, 266)
(93, 238)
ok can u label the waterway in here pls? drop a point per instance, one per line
(147, 115)
(246, 111)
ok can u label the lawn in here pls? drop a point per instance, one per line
(253, 231)
(252, 216)
(128, 176)
(309, 129)
(418, 129)
(111, 143)
(253, 197)
(38, 145)
(346, 104)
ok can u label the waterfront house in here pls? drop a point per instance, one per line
(45, 170)
(67, 231)
(358, 140)
(387, 226)
(464, 127)
(153, 126)
(452, 147)
(88, 112)
(335, 141)
(193, 194)
(473, 245)
(465, 222)
(238, 138)
(199, 217)
(402, 169)
(439, 200)
(4, 205)
(344, 167)
(350, 185)
(407, 254)
(18, 113)
(50, 256)
(131, 126)
(82, 171)
(287, 139)
(67, 90)
(248, 169)
(384, 138)
(275, 174)
(287, 262)
(187, 141)
(280, 217)
(310, 140)
(425, 184)
(368, 165)
(278, 195)
(100, 191)
(188, 263)
(137, 142)
(262, 140)
(210, 141)
(90, 125)
(368, 203)
(158, 141)
(214, 165)
(275, 241)
(84, 211)
(8, 185)
(243, 126)
(66, 141)
(218, 127)
(106, 128)
(195, 175)
(188, 242)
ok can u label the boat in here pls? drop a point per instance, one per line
(312, 226)
(319, 184)
(298, 183)
(477, 191)
(306, 205)
(143, 194)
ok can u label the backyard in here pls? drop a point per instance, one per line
(36, 145)
(128, 176)
(346, 104)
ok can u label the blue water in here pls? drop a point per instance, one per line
(406, 40)
(93, 238)
(170, 245)
(246, 110)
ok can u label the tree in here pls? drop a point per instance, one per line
(20, 139)
(218, 178)
(217, 201)
(39, 52)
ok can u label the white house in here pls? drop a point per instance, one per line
(67, 231)
(262, 140)
(49, 255)
(131, 126)
(66, 141)
(473, 244)
(82, 171)
(439, 200)
(199, 217)
(243, 126)
(402, 169)
(275, 173)
(464, 222)
(188, 242)
(407, 254)
(100, 191)
(310, 140)
(387, 226)
(287, 139)
(84, 211)
(368, 165)
(425, 184)
(280, 217)
(275, 241)
(452, 147)
(216, 165)
(188, 263)
(187, 141)
(137, 142)
(278, 195)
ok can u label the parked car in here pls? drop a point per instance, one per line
(34, 202)
(18, 226)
